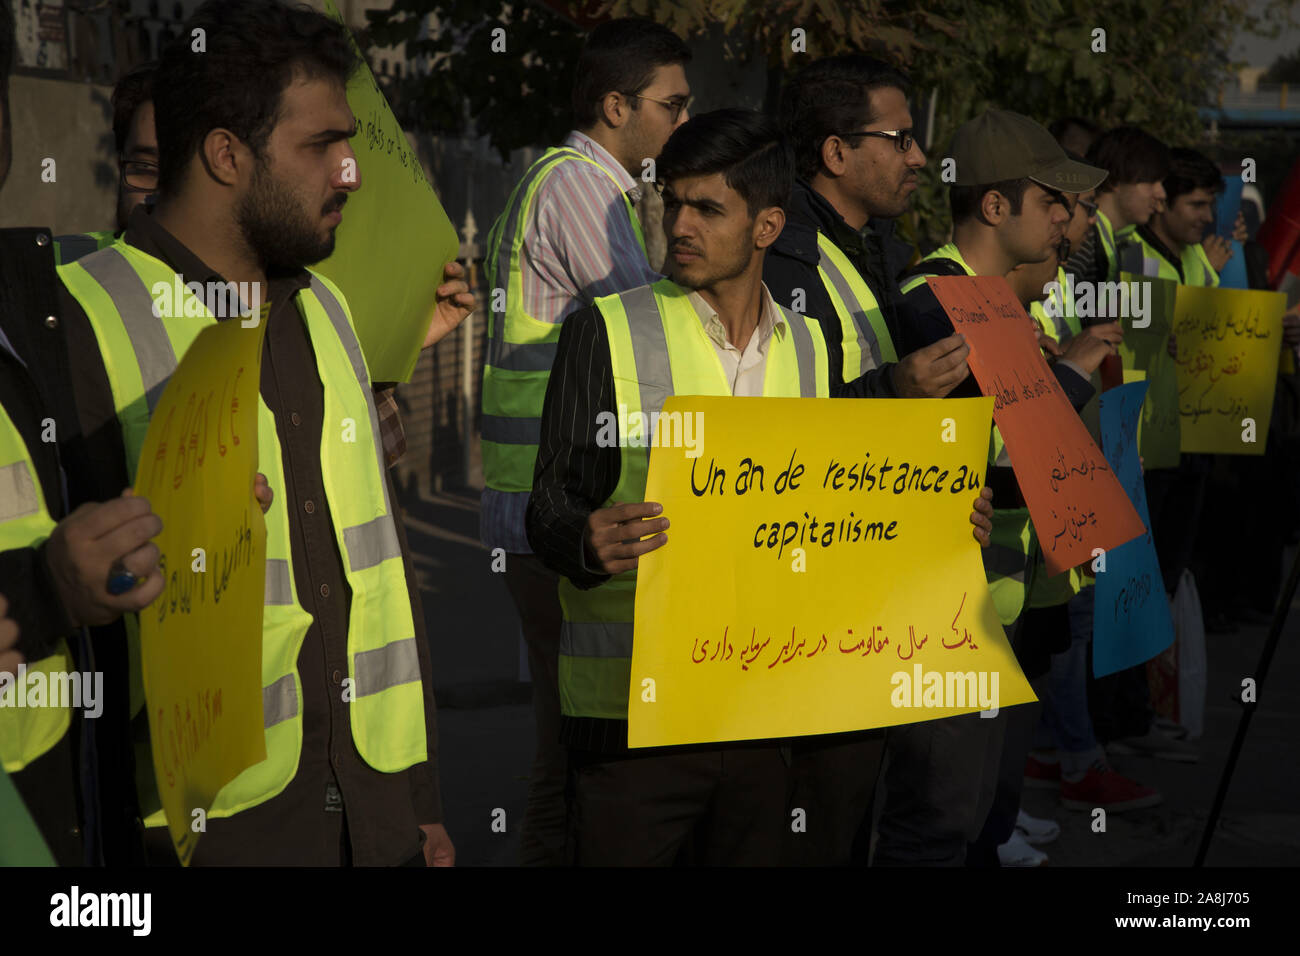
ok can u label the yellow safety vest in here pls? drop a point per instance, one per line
(658, 348)
(26, 732)
(520, 348)
(1141, 258)
(865, 338)
(140, 353)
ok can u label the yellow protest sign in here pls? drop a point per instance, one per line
(201, 640)
(395, 238)
(820, 574)
(1146, 348)
(1228, 342)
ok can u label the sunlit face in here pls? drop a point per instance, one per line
(1138, 202)
(1033, 235)
(711, 235)
(651, 123)
(291, 209)
(1187, 217)
(878, 174)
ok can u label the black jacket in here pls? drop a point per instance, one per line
(791, 263)
(35, 390)
(35, 386)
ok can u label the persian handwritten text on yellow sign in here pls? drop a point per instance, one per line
(820, 574)
(1228, 346)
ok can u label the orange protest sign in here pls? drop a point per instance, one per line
(1074, 499)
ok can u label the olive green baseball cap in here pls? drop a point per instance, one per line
(999, 145)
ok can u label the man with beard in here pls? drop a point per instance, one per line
(710, 328)
(849, 125)
(254, 171)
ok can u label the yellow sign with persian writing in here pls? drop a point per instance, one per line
(1228, 343)
(1146, 349)
(395, 238)
(201, 640)
(820, 574)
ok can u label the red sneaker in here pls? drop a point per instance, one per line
(1103, 787)
(1042, 775)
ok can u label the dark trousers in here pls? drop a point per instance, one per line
(1119, 703)
(534, 589)
(721, 806)
(940, 781)
(1175, 500)
(833, 781)
(1010, 785)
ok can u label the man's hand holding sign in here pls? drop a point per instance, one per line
(816, 584)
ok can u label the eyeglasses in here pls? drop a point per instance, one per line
(675, 106)
(902, 137)
(139, 176)
(1089, 207)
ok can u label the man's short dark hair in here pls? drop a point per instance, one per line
(621, 56)
(132, 91)
(832, 95)
(1189, 171)
(254, 50)
(744, 145)
(965, 201)
(1130, 155)
(1060, 127)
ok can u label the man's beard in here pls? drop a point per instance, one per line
(721, 273)
(276, 227)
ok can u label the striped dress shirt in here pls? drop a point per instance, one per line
(577, 246)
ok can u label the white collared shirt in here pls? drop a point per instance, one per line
(745, 368)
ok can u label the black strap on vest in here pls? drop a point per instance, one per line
(932, 267)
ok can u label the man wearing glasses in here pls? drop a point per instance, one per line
(571, 232)
(848, 121)
(137, 161)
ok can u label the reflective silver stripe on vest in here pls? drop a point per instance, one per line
(1004, 562)
(279, 701)
(73, 247)
(804, 353)
(501, 274)
(375, 541)
(856, 309)
(149, 341)
(1004, 457)
(596, 639)
(526, 357)
(512, 431)
(279, 584)
(385, 667)
(371, 543)
(18, 497)
(649, 349)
